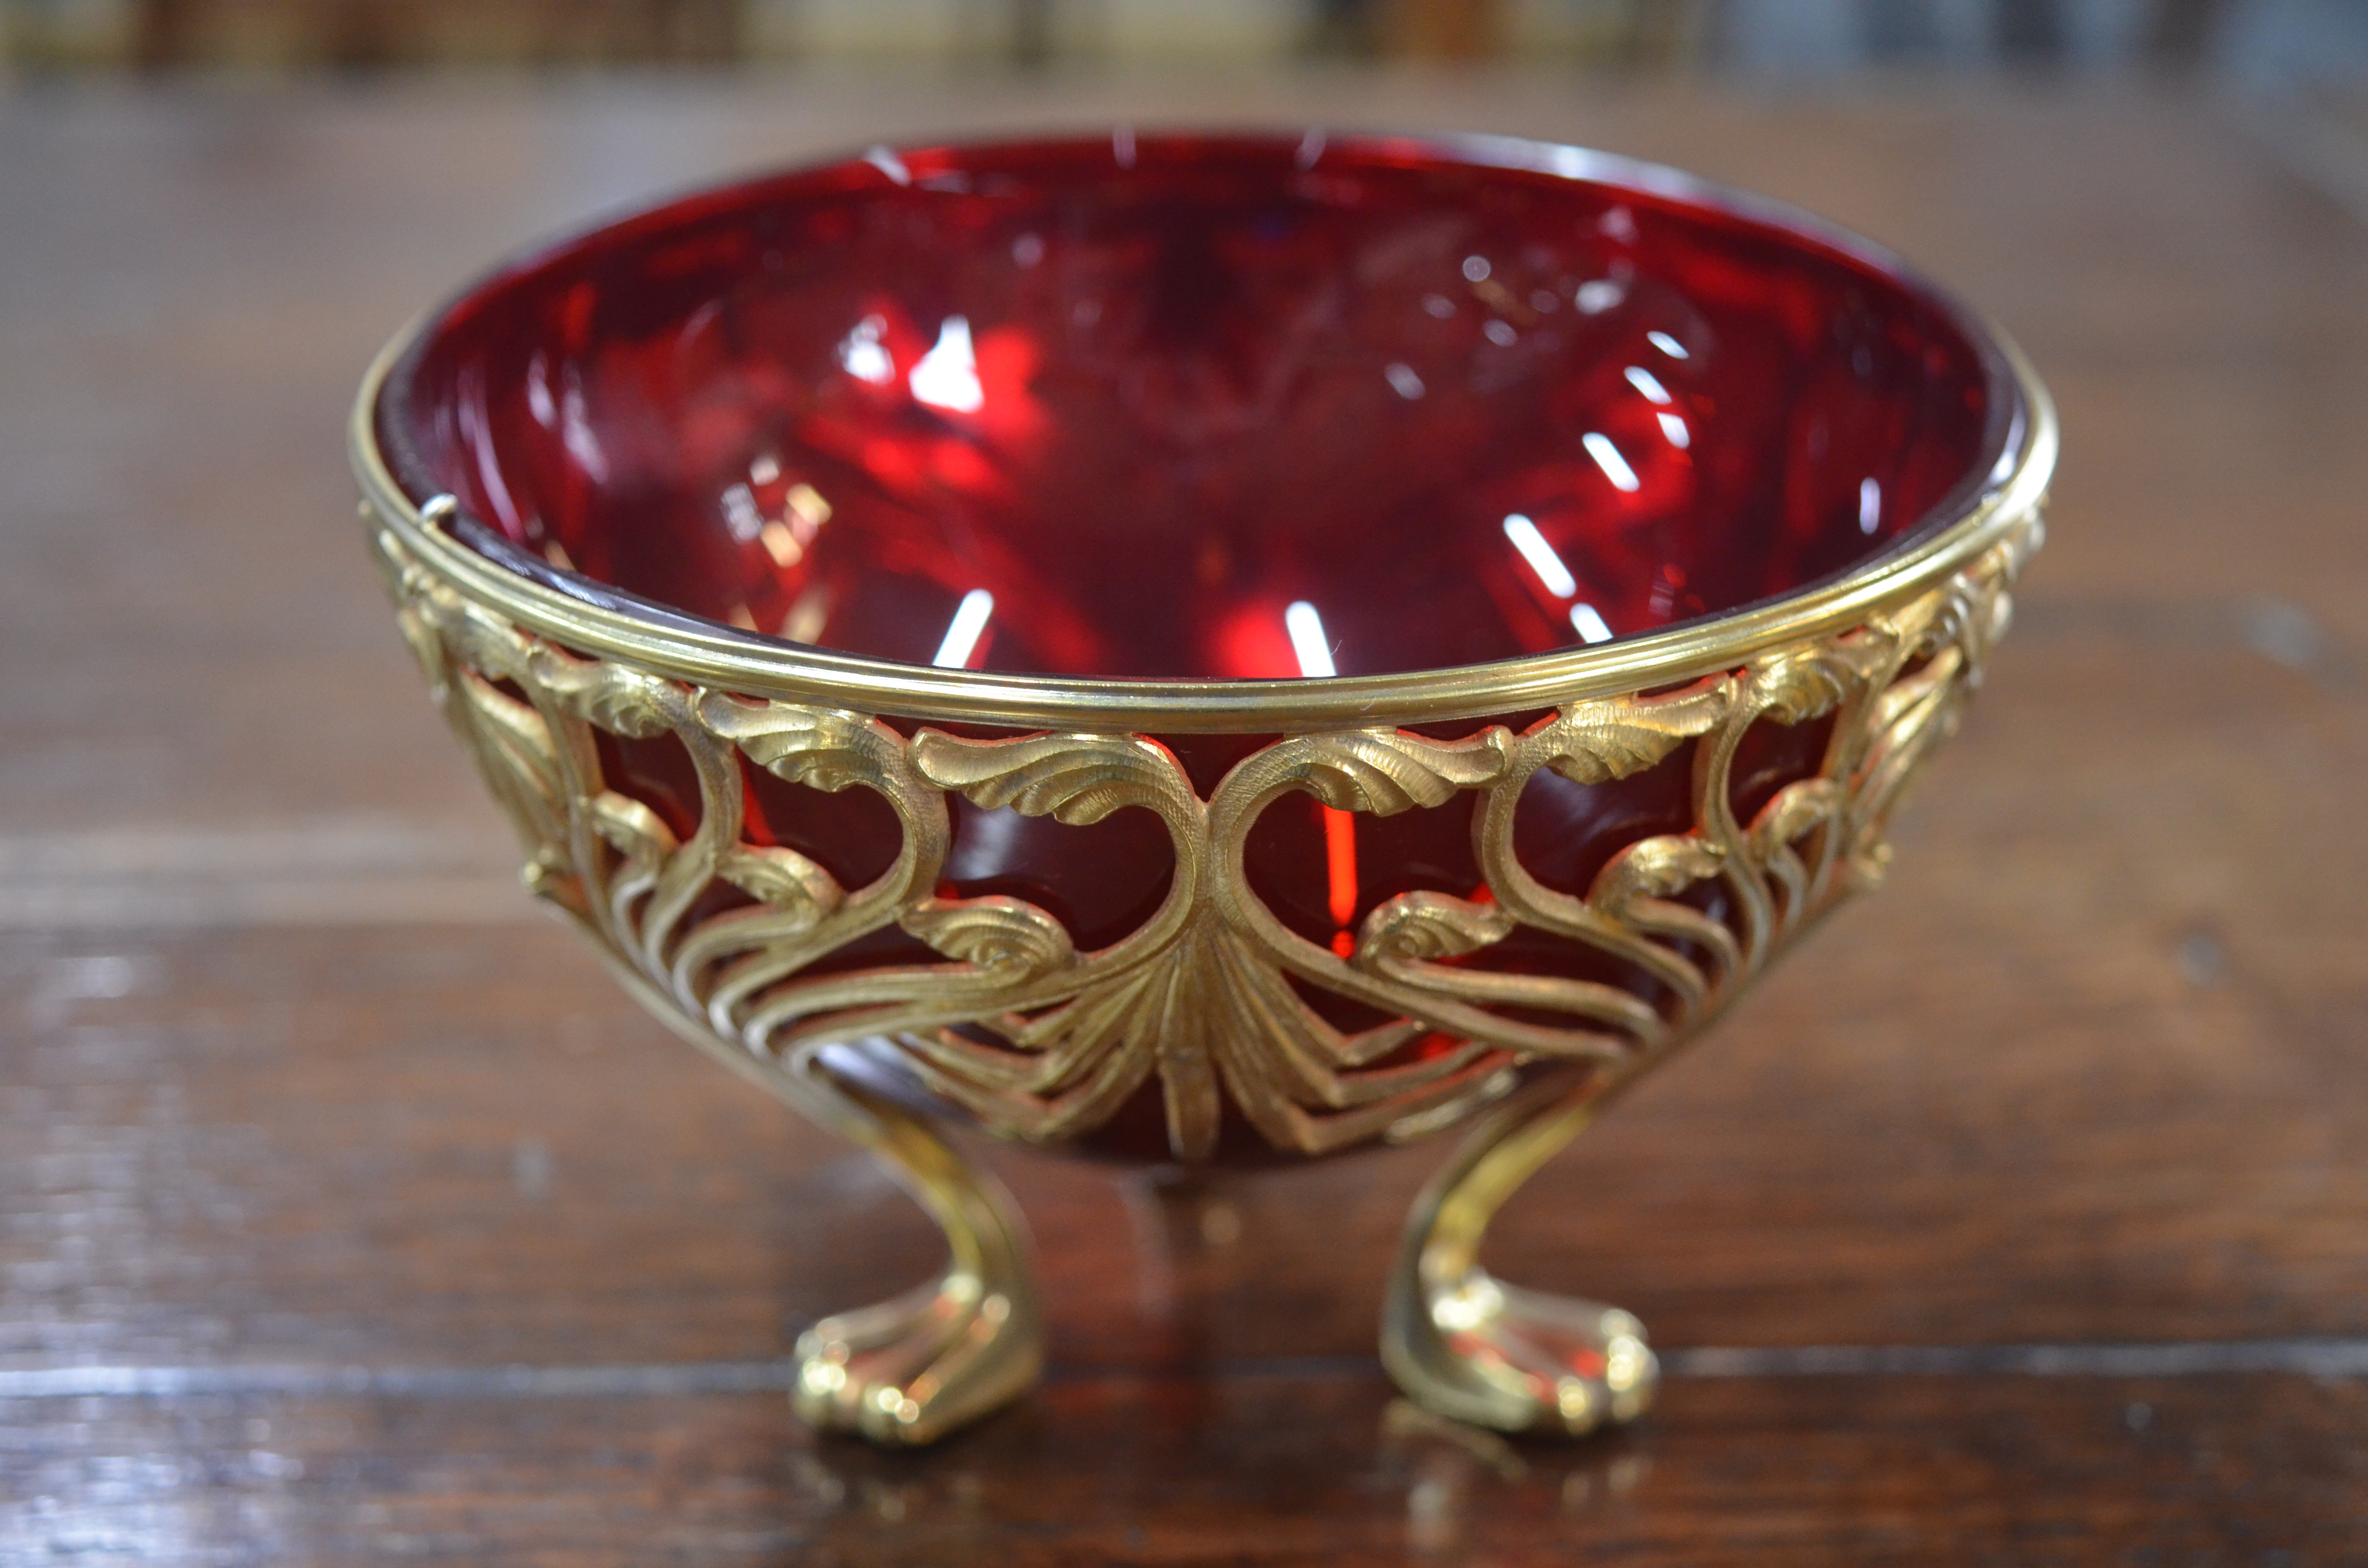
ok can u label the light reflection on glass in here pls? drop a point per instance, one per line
(538, 394)
(1313, 649)
(477, 440)
(962, 632)
(1340, 876)
(808, 507)
(1476, 269)
(1584, 618)
(576, 428)
(781, 544)
(947, 376)
(1540, 556)
(1594, 299)
(785, 537)
(740, 513)
(2005, 465)
(1645, 382)
(862, 354)
(808, 616)
(895, 459)
(1607, 457)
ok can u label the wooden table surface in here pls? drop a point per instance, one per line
(348, 1214)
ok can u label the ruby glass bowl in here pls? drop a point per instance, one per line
(1203, 650)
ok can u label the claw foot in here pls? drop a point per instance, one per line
(1519, 1361)
(910, 1370)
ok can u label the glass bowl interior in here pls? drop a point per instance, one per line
(1185, 407)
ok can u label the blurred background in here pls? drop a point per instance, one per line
(2256, 46)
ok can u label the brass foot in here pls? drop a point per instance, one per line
(912, 1369)
(1519, 1361)
(1464, 1346)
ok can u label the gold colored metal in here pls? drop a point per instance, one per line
(1456, 1339)
(912, 1369)
(1042, 1041)
(1466, 1345)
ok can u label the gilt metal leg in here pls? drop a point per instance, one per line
(912, 1369)
(1464, 1346)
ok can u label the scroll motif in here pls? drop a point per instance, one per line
(750, 945)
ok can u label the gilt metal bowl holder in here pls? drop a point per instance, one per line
(1203, 650)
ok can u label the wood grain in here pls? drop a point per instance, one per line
(1249, 1470)
(298, 1093)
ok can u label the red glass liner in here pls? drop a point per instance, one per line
(1129, 401)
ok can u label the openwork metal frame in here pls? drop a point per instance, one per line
(1040, 1040)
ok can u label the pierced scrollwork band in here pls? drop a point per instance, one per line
(1043, 1040)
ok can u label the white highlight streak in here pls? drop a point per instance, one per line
(1645, 382)
(947, 376)
(1667, 345)
(575, 432)
(962, 633)
(1870, 504)
(1307, 640)
(862, 354)
(538, 395)
(1607, 457)
(1540, 556)
(740, 513)
(1589, 624)
(1675, 429)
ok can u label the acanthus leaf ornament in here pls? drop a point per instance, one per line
(1429, 926)
(1042, 1040)
(1075, 779)
(1381, 771)
(1005, 937)
(1655, 868)
(828, 748)
(1597, 742)
(605, 696)
(781, 880)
